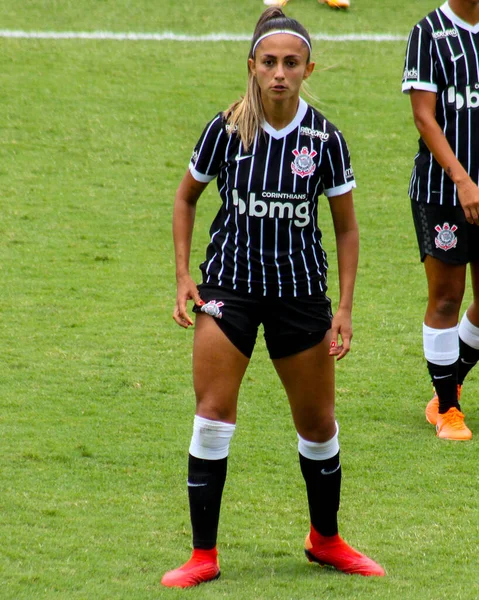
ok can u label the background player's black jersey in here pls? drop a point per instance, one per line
(265, 239)
(443, 57)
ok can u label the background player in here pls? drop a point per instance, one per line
(272, 155)
(441, 75)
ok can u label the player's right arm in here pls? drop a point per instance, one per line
(424, 111)
(184, 211)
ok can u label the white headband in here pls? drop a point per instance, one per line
(276, 31)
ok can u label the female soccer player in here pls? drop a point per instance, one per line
(442, 77)
(272, 155)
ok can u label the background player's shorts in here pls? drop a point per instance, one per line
(444, 233)
(291, 325)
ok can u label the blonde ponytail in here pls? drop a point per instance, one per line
(246, 116)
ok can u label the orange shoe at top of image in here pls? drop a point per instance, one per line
(275, 2)
(331, 3)
(336, 3)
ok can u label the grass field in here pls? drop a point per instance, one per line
(96, 402)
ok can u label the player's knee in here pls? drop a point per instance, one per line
(448, 305)
(216, 411)
(320, 450)
(320, 431)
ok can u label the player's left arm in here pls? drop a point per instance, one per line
(347, 245)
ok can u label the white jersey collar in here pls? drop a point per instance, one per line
(446, 9)
(277, 134)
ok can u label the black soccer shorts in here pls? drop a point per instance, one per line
(443, 233)
(291, 325)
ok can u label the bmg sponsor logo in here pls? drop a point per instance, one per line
(468, 99)
(273, 209)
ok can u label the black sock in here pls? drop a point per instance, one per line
(206, 479)
(444, 380)
(468, 357)
(323, 486)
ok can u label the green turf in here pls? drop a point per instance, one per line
(96, 401)
(205, 16)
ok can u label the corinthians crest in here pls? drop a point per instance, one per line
(212, 308)
(446, 239)
(303, 164)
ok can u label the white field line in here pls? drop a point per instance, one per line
(177, 37)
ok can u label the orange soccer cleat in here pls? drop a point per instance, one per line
(432, 408)
(335, 552)
(451, 426)
(336, 3)
(203, 566)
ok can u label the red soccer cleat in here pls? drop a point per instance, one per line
(203, 566)
(335, 552)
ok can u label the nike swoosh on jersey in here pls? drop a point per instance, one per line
(238, 157)
(454, 58)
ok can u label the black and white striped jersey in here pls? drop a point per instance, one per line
(265, 239)
(442, 56)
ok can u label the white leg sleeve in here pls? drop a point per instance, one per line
(319, 451)
(211, 439)
(441, 346)
(469, 333)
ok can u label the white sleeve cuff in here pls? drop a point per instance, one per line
(340, 189)
(418, 85)
(199, 176)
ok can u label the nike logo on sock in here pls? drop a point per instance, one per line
(466, 362)
(196, 484)
(441, 376)
(326, 472)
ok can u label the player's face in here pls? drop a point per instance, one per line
(280, 66)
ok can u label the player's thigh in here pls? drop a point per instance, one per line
(308, 378)
(218, 369)
(443, 238)
(442, 232)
